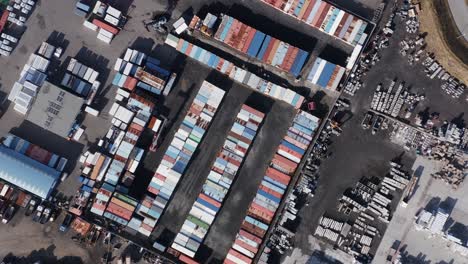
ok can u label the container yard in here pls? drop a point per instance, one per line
(326, 18)
(215, 189)
(255, 43)
(140, 89)
(272, 189)
(235, 72)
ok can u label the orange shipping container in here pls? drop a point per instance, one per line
(122, 204)
(97, 167)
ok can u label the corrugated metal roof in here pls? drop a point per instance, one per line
(27, 173)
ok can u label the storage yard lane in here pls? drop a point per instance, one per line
(227, 224)
(197, 172)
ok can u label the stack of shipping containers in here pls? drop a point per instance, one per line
(325, 17)
(183, 145)
(236, 73)
(136, 69)
(128, 123)
(263, 47)
(272, 189)
(31, 79)
(219, 181)
(120, 208)
(326, 74)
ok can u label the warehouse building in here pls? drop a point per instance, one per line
(55, 109)
(29, 166)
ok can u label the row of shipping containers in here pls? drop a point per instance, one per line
(185, 142)
(219, 181)
(128, 123)
(261, 46)
(236, 73)
(35, 152)
(325, 17)
(81, 79)
(136, 69)
(326, 74)
(272, 189)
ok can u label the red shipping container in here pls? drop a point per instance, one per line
(180, 44)
(250, 236)
(290, 151)
(273, 51)
(288, 57)
(296, 143)
(240, 256)
(186, 259)
(228, 261)
(269, 48)
(278, 176)
(323, 15)
(153, 190)
(317, 14)
(253, 111)
(209, 200)
(189, 49)
(220, 64)
(304, 15)
(270, 191)
(233, 31)
(119, 211)
(4, 19)
(282, 161)
(342, 23)
(249, 40)
(253, 229)
(246, 246)
(160, 177)
(39, 154)
(236, 38)
(105, 26)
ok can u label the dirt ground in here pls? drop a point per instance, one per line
(437, 44)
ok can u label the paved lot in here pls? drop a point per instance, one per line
(32, 241)
(420, 243)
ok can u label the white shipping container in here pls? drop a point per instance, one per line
(91, 111)
(90, 25)
(112, 20)
(104, 38)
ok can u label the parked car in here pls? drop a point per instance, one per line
(45, 216)
(66, 223)
(31, 206)
(4, 208)
(8, 215)
(38, 214)
(377, 124)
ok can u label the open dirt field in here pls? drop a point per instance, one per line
(436, 39)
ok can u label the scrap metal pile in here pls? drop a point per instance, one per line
(454, 164)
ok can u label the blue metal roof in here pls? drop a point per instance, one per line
(27, 173)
